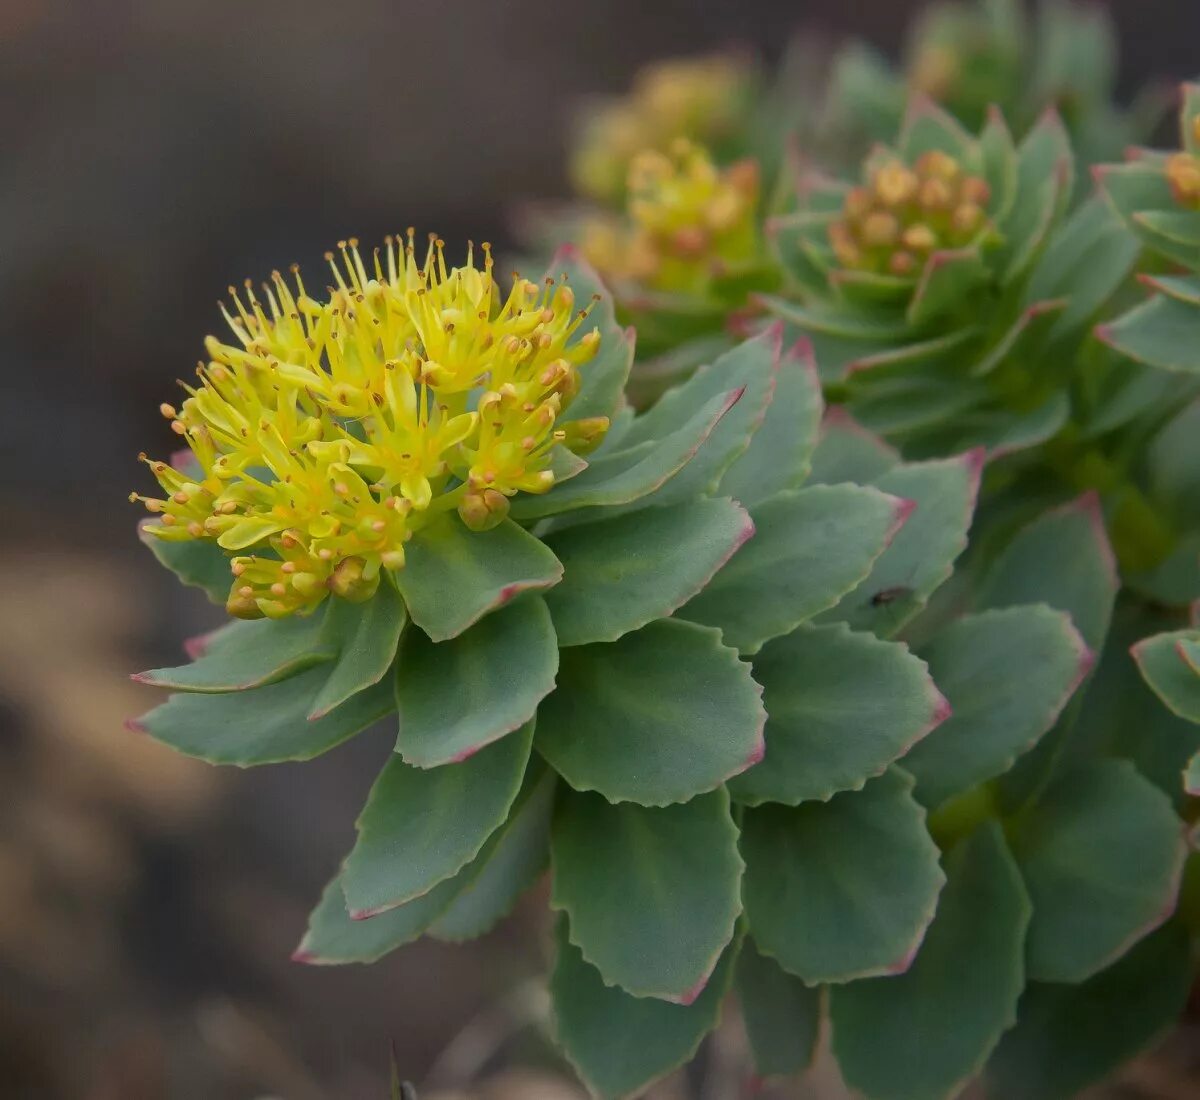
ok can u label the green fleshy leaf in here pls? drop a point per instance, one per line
(782, 1015)
(665, 713)
(453, 576)
(603, 378)
(793, 242)
(831, 321)
(841, 889)
(1044, 177)
(1070, 1036)
(1101, 853)
(841, 707)
(751, 367)
(1063, 558)
(515, 856)
(420, 828)
(619, 1044)
(1184, 288)
(846, 451)
(195, 563)
(906, 404)
(1171, 676)
(914, 353)
(243, 655)
(780, 452)
(623, 573)
(811, 546)
(1174, 231)
(265, 725)
(1008, 674)
(1161, 332)
(1025, 339)
(1089, 259)
(1134, 186)
(921, 556)
(458, 696)
(947, 278)
(928, 127)
(999, 156)
(1172, 462)
(631, 473)
(366, 636)
(652, 894)
(924, 1034)
(333, 938)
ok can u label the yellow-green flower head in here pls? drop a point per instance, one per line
(903, 214)
(331, 428)
(701, 98)
(1183, 174)
(689, 221)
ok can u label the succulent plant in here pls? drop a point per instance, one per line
(972, 56)
(944, 295)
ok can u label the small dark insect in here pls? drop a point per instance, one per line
(886, 596)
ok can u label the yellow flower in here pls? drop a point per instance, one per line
(332, 428)
(891, 224)
(700, 98)
(1183, 174)
(688, 221)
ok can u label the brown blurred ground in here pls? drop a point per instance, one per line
(153, 151)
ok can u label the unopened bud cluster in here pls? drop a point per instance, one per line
(698, 98)
(902, 215)
(1183, 174)
(688, 221)
(334, 428)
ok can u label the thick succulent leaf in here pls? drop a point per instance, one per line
(1184, 288)
(198, 564)
(811, 547)
(914, 354)
(947, 278)
(841, 889)
(921, 556)
(1161, 332)
(924, 1034)
(1091, 256)
(1172, 462)
(625, 572)
(603, 378)
(1044, 177)
(1025, 339)
(841, 707)
(1070, 1036)
(266, 725)
(631, 473)
(999, 156)
(665, 713)
(366, 636)
(419, 827)
(515, 856)
(780, 452)
(1064, 559)
(652, 894)
(1101, 853)
(782, 1015)
(333, 937)
(928, 127)
(619, 1044)
(1134, 186)
(458, 696)
(846, 451)
(453, 576)
(903, 405)
(1008, 674)
(751, 368)
(243, 655)
(1165, 666)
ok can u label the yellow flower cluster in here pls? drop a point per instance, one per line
(890, 225)
(331, 429)
(1183, 174)
(701, 98)
(688, 221)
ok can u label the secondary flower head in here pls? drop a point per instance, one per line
(701, 98)
(688, 221)
(333, 427)
(902, 215)
(1183, 172)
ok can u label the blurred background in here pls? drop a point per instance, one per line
(153, 152)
